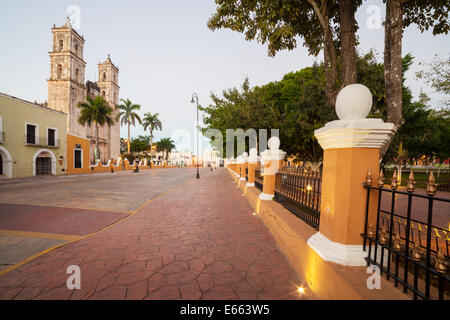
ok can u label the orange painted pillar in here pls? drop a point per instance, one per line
(272, 161)
(243, 165)
(351, 148)
(252, 163)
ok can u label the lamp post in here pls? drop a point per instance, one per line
(195, 100)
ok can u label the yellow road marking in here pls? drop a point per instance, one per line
(64, 207)
(19, 264)
(26, 234)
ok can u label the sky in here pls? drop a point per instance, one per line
(165, 53)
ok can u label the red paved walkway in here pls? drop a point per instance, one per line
(71, 221)
(199, 241)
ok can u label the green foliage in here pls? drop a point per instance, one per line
(151, 121)
(430, 14)
(277, 23)
(140, 144)
(425, 132)
(131, 157)
(165, 145)
(123, 146)
(127, 114)
(297, 105)
(95, 111)
(98, 112)
(437, 75)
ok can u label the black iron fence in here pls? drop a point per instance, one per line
(442, 186)
(299, 190)
(409, 240)
(259, 179)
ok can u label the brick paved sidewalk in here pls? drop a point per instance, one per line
(199, 241)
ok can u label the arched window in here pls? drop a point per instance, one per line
(104, 76)
(103, 93)
(76, 49)
(77, 75)
(59, 71)
(114, 78)
(61, 45)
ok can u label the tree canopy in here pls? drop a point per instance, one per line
(297, 105)
(98, 112)
(165, 145)
(322, 24)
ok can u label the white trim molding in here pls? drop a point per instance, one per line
(1, 129)
(52, 155)
(250, 184)
(242, 179)
(36, 132)
(56, 137)
(74, 158)
(7, 163)
(355, 133)
(347, 255)
(265, 196)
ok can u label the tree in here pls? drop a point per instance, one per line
(152, 123)
(165, 145)
(323, 24)
(297, 106)
(98, 112)
(437, 75)
(432, 14)
(128, 115)
(426, 131)
(123, 145)
(140, 144)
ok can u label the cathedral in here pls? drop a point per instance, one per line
(67, 87)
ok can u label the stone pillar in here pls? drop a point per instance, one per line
(243, 166)
(239, 163)
(272, 161)
(127, 164)
(351, 148)
(252, 163)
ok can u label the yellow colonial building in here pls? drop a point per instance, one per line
(32, 139)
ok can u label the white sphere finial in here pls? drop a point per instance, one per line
(274, 143)
(354, 102)
(253, 152)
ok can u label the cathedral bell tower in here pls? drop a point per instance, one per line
(108, 79)
(67, 71)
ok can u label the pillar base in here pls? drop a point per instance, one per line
(250, 184)
(265, 196)
(242, 179)
(347, 255)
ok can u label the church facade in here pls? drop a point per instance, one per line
(67, 87)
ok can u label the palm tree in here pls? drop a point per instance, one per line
(98, 112)
(128, 116)
(165, 145)
(152, 122)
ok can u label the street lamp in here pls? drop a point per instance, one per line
(195, 100)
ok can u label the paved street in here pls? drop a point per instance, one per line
(199, 240)
(41, 213)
